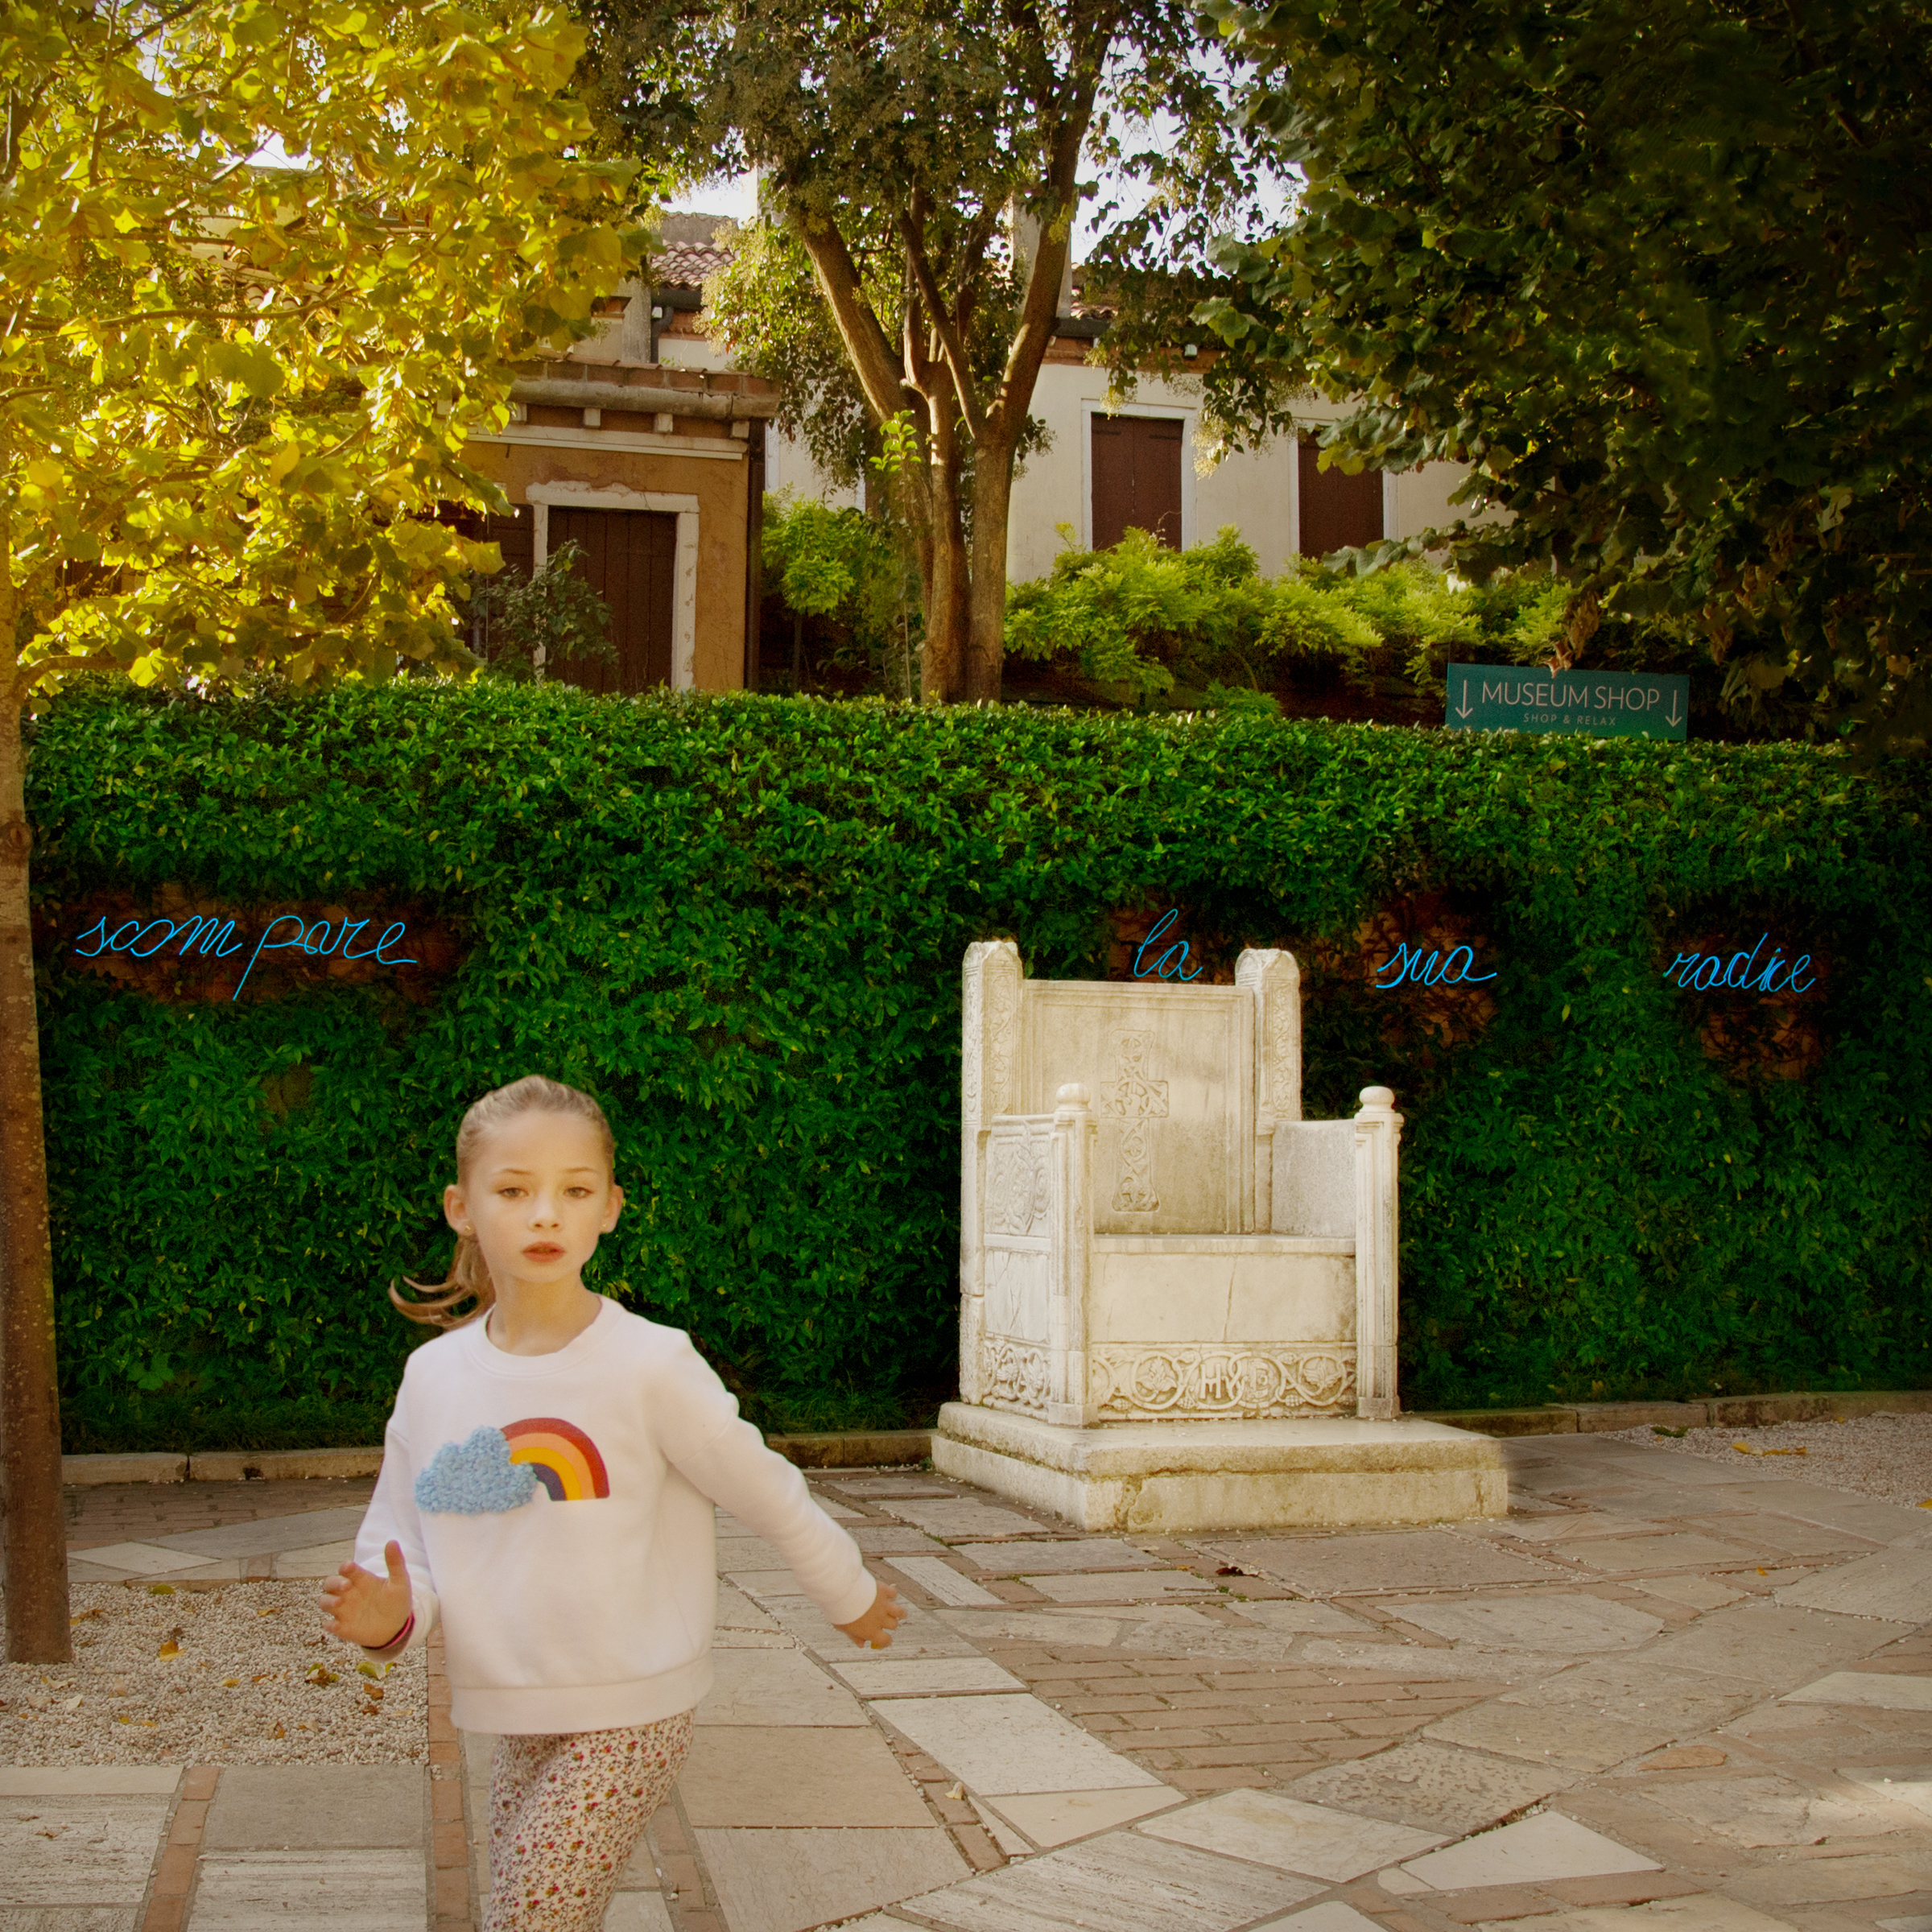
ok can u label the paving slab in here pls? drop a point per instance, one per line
(765, 1687)
(1119, 1587)
(1000, 1745)
(890, 1486)
(79, 1849)
(737, 1611)
(1435, 1787)
(786, 1880)
(1902, 1785)
(1881, 1690)
(1788, 1535)
(1770, 1643)
(1680, 1550)
(89, 1780)
(736, 1553)
(1033, 1626)
(318, 1559)
(1298, 1614)
(107, 1563)
(637, 1912)
(1416, 1663)
(797, 1776)
(1570, 1523)
(925, 1676)
(315, 1807)
(1089, 1553)
(1599, 1713)
(375, 1891)
(1896, 1585)
(267, 1534)
(1575, 1625)
(1693, 1592)
(938, 1578)
(1395, 1559)
(1331, 1915)
(1572, 1741)
(894, 1539)
(1058, 1818)
(1818, 1881)
(922, 1634)
(960, 1518)
(1315, 1840)
(1533, 1850)
(1696, 1911)
(1766, 1809)
(1121, 1882)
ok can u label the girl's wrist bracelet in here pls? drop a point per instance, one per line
(409, 1624)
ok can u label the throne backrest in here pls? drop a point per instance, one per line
(1183, 1079)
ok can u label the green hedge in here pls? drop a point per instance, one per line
(739, 921)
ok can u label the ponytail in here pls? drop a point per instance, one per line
(469, 1278)
(436, 1302)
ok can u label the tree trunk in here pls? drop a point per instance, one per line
(941, 678)
(37, 1631)
(986, 630)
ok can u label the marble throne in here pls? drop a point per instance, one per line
(1178, 1297)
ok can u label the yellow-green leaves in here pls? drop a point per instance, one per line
(266, 270)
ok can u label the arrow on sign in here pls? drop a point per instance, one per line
(1466, 708)
(1676, 717)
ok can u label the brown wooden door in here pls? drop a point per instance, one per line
(1136, 478)
(630, 560)
(1339, 512)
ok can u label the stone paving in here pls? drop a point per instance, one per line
(1661, 1693)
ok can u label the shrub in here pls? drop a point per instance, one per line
(739, 921)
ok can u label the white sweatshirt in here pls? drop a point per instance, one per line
(555, 1514)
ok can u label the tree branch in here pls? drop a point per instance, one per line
(912, 227)
(880, 374)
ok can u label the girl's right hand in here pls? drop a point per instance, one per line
(364, 1609)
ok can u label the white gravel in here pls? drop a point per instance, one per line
(1883, 1455)
(236, 1688)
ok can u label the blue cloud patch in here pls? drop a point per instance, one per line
(475, 1478)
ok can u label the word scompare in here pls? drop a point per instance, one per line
(1409, 964)
(1159, 969)
(1712, 972)
(206, 937)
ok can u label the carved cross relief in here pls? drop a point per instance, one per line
(1132, 1096)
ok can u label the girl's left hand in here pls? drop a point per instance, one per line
(873, 1630)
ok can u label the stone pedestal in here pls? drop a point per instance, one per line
(1173, 1478)
(1178, 1297)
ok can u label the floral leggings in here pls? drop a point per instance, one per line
(564, 1813)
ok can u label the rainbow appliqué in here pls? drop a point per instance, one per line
(561, 1457)
(495, 1470)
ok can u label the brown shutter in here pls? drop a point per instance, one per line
(630, 560)
(1339, 512)
(1136, 478)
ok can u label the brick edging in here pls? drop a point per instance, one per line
(449, 1827)
(173, 1879)
(1720, 1412)
(885, 1448)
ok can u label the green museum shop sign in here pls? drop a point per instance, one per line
(1598, 704)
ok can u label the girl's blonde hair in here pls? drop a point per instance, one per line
(469, 1278)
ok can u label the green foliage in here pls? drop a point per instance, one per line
(852, 572)
(1144, 622)
(553, 617)
(920, 169)
(1655, 270)
(739, 921)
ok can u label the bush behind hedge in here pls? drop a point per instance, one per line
(739, 921)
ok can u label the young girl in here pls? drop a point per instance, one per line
(547, 1490)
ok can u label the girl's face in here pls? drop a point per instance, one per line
(537, 1196)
